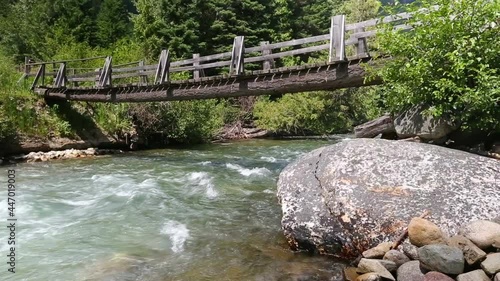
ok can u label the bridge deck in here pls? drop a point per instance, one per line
(293, 80)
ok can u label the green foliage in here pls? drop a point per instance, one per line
(360, 10)
(450, 61)
(316, 112)
(113, 118)
(186, 122)
(112, 22)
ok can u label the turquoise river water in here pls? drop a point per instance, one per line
(202, 213)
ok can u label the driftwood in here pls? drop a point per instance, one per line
(371, 129)
(405, 233)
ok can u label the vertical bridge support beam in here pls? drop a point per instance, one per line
(362, 47)
(143, 79)
(337, 39)
(238, 56)
(163, 69)
(268, 64)
(197, 73)
(105, 79)
(61, 78)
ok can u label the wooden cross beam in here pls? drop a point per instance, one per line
(337, 39)
(238, 56)
(105, 79)
(61, 78)
(39, 75)
(163, 69)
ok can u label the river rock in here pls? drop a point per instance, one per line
(497, 277)
(350, 274)
(442, 258)
(472, 253)
(491, 264)
(481, 232)
(344, 198)
(423, 232)
(378, 251)
(396, 257)
(410, 271)
(369, 265)
(476, 275)
(437, 276)
(410, 250)
(496, 243)
(389, 265)
(368, 277)
(415, 123)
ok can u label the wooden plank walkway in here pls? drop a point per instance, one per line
(139, 82)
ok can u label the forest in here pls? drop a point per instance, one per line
(46, 30)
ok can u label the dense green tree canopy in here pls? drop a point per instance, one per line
(450, 61)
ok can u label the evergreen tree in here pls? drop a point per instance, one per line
(112, 22)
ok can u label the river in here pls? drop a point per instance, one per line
(206, 212)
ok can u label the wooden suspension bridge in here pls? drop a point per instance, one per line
(111, 83)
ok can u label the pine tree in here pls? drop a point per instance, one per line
(112, 22)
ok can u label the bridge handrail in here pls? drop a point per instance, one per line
(334, 41)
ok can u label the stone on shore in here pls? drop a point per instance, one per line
(410, 250)
(476, 275)
(437, 276)
(497, 277)
(441, 258)
(378, 251)
(389, 265)
(396, 257)
(342, 199)
(368, 277)
(410, 271)
(491, 264)
(482, 232)
(415, 123)
(369, 265)
(472, 253)
(423, 232)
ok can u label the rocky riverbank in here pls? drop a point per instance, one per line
(430, 254)
(61, 155)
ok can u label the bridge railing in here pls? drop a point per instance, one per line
(340, 37)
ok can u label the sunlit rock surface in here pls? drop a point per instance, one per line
(341, 199)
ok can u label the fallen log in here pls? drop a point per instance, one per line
(371, 129)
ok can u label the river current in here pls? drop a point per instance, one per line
(200, 213)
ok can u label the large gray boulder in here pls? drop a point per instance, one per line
(415, 123)
(342, 199)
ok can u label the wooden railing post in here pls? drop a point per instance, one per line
(61, 79)
(361, 47)
(337, 39)
(163, 69)
(142, 77)
(238, 56)
(269, 63)
(73, 73)
(105, 77)
(27, 67)
(197, 73)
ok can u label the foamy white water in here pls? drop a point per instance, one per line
(209, 213)
(178, 234)
(248, 172)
